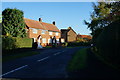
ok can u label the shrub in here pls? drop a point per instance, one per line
(73, 44)
(8, 43)
(107, 43)
(23, 42)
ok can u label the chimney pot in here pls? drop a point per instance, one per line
(53, 22)
(40, 19)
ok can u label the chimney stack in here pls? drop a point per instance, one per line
(53, 22)
(40, 19)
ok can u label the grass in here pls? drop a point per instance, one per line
(19, 55)
(78, 61)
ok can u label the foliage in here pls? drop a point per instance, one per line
(104, 14)
(8, 43)
(0, 18)
(75, 44)
(24, 42)
(13, 23)
(97, 16)
(107, 43)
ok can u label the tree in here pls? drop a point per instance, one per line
(98, 17)
(104, 14)
(13, 23)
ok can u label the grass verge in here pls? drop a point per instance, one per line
(19, 55)
(78, 61)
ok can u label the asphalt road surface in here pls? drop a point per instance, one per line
(51, 63)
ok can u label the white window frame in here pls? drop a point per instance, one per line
(57, 40)
(57, 33)
(34, 31)
(50, 32)
(43, 32)
(43, 40)
(62, 40)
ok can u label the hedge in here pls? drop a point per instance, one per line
(9, 43)
(108, 43)
(24, 42)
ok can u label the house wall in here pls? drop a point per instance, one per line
(72, 36)
(44, 36)
(64, 35)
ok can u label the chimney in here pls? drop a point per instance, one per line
(53, 22)
(40, 19)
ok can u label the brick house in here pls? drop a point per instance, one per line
(45, 30)
(85, 37)
(69, 35)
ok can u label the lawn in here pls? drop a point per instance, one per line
(78, 61)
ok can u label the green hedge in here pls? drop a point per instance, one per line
(9, 43)
(73, 44)
(24, 42)
(108, 43)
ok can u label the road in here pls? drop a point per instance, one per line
(50, 63)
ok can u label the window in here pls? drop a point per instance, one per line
(57, 33)
(62, 40)
(44, 40)
(57, 40)
(43, 32)
(34, 31)
(50, 33)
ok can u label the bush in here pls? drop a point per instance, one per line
(107, 43)
(24, 42)
(8, 43)
(73, 44)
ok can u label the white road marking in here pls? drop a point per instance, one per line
(14, 70)
(57, 53)
(43, 58)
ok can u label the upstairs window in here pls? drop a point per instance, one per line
(57, 33)
(43, 32)
(50, 33)
(34, 31)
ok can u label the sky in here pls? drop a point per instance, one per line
(49, 0)
(65, 14)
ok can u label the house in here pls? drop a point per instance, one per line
(69, 35)
(45, 31)
(85, 37)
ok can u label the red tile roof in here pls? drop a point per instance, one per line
(40, 25)
(50, 27)
(33, 24)
(85, 36)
